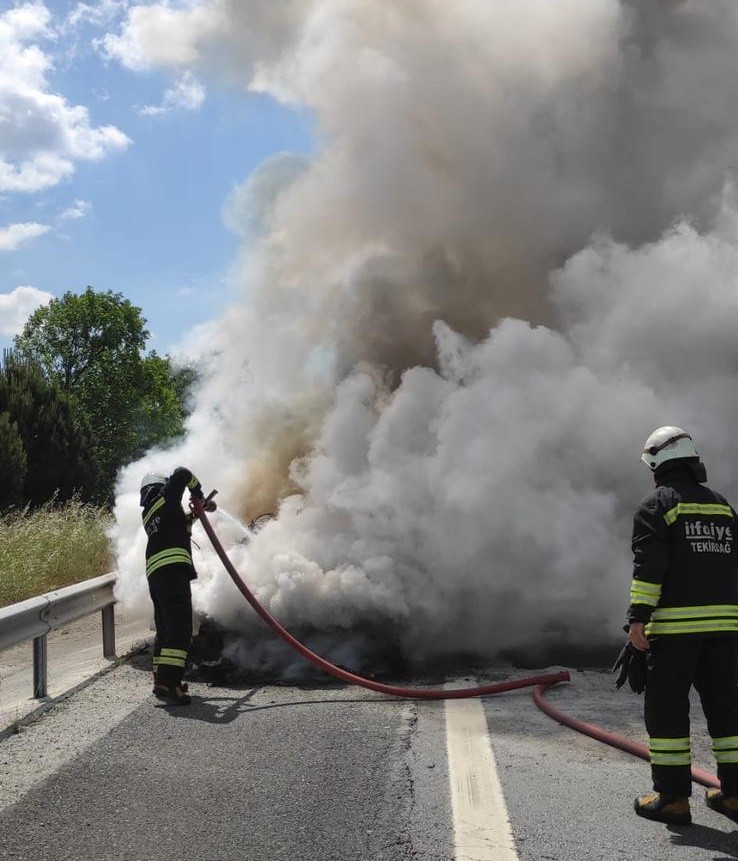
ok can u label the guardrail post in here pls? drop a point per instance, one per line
(34, 618)
(108, 631)
(40, 667)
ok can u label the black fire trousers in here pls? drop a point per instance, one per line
(171, 595)
(675, 664)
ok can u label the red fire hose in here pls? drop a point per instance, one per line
(607, 737)
(543, 682)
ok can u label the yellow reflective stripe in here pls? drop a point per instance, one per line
(167, 552)
(669, 751)
(154, 508)
(713, 626)
(705, 508)
(172, 662)
(708, 619)
(671, 758)
(722, 756)
(173, 555)
(668, 743)
(638, 598)
(174, 653)
(645, 586)
(150, 569)
(725, 749)
(171, 657)
(642, 592)
(704, 611)
(192, 483)
(167, 557)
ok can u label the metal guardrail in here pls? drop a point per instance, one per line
(35, 618)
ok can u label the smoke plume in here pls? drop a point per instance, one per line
(513, 255)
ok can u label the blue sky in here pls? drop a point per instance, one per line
(136, 208)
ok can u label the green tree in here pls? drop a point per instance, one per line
(92, 344)
(161, 410)
(13, 463)
(59, 462)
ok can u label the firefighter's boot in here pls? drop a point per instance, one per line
(725, 804)
(168, 686)
(659, 807)
(185, 687)
(173, 696)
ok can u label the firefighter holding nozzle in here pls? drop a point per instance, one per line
(169, 570)
(683, 619)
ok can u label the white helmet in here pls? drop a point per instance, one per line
(153, 478)
(667, 443)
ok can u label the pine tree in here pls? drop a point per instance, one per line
(59, 462)
(13, 463)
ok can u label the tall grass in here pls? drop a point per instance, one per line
(51, 547)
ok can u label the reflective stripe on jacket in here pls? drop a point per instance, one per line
(685, 573)
(167, 526)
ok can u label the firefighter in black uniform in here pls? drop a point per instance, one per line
(684, 614)
(169, 570)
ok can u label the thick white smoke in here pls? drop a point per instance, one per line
(511, 259)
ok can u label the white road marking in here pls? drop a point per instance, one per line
(481, 823)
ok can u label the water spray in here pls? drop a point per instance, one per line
(241, 525)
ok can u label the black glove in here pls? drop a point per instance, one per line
(207, 502)
(632, 665)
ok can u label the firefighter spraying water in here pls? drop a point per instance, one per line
(169, 570)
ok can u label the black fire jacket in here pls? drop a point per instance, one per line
(685, 574)
(167, 525)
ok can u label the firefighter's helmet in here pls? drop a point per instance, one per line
(153, 478)
(667, 443)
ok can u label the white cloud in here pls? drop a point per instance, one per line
(18, 305)
(97, 14)
(158, 35)
(186, 94)
(15, 234)
(237, 37)
(42, 135)
(79, 209)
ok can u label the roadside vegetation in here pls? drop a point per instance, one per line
(81, 395)
(51, 546)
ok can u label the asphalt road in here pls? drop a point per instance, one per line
(323, 773)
